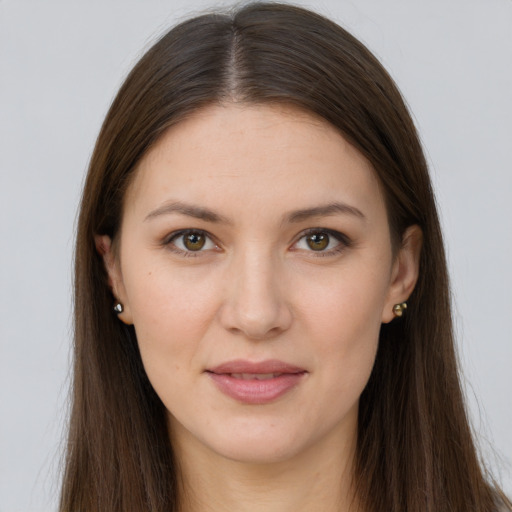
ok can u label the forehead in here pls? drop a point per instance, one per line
(253, 157)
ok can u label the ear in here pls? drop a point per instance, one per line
(404, 274)
(115, 278)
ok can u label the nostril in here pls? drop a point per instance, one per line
(264, 325)
(254, 303)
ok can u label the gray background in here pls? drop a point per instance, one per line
(60, 65)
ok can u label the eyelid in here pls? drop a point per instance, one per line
(344, 241)
(168, 241)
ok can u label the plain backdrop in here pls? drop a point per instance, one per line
(61, 63)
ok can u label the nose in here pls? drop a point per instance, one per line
(254, 304)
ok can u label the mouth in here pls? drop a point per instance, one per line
(256, 383)
(254, 376)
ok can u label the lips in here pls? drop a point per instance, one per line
(256, 383)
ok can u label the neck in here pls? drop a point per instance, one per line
(317, 480)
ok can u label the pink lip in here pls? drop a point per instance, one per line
(256, 391)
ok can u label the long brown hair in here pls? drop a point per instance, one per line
(415, 449)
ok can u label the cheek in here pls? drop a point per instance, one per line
(161, 294)
(344, 319)
(171, 313)
(346, 301)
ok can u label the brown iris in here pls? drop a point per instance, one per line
(194, 241)
(318, 241)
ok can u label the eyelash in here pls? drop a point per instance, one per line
(344, 241)
(169, 241)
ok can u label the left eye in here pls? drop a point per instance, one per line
(191, 241)
(321, 241)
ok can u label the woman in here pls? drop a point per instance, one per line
(259, 216)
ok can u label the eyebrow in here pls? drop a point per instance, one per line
(205, 214)
(324, 211)
(198, 212)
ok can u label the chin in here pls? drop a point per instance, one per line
(245, 441)
(270, 441)
(259, 452)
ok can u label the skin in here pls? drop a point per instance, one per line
(258, 291)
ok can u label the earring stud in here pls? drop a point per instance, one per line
(118, 308)
(399, 309)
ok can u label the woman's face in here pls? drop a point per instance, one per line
(255, 263)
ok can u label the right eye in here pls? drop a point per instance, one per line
(190, 241)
